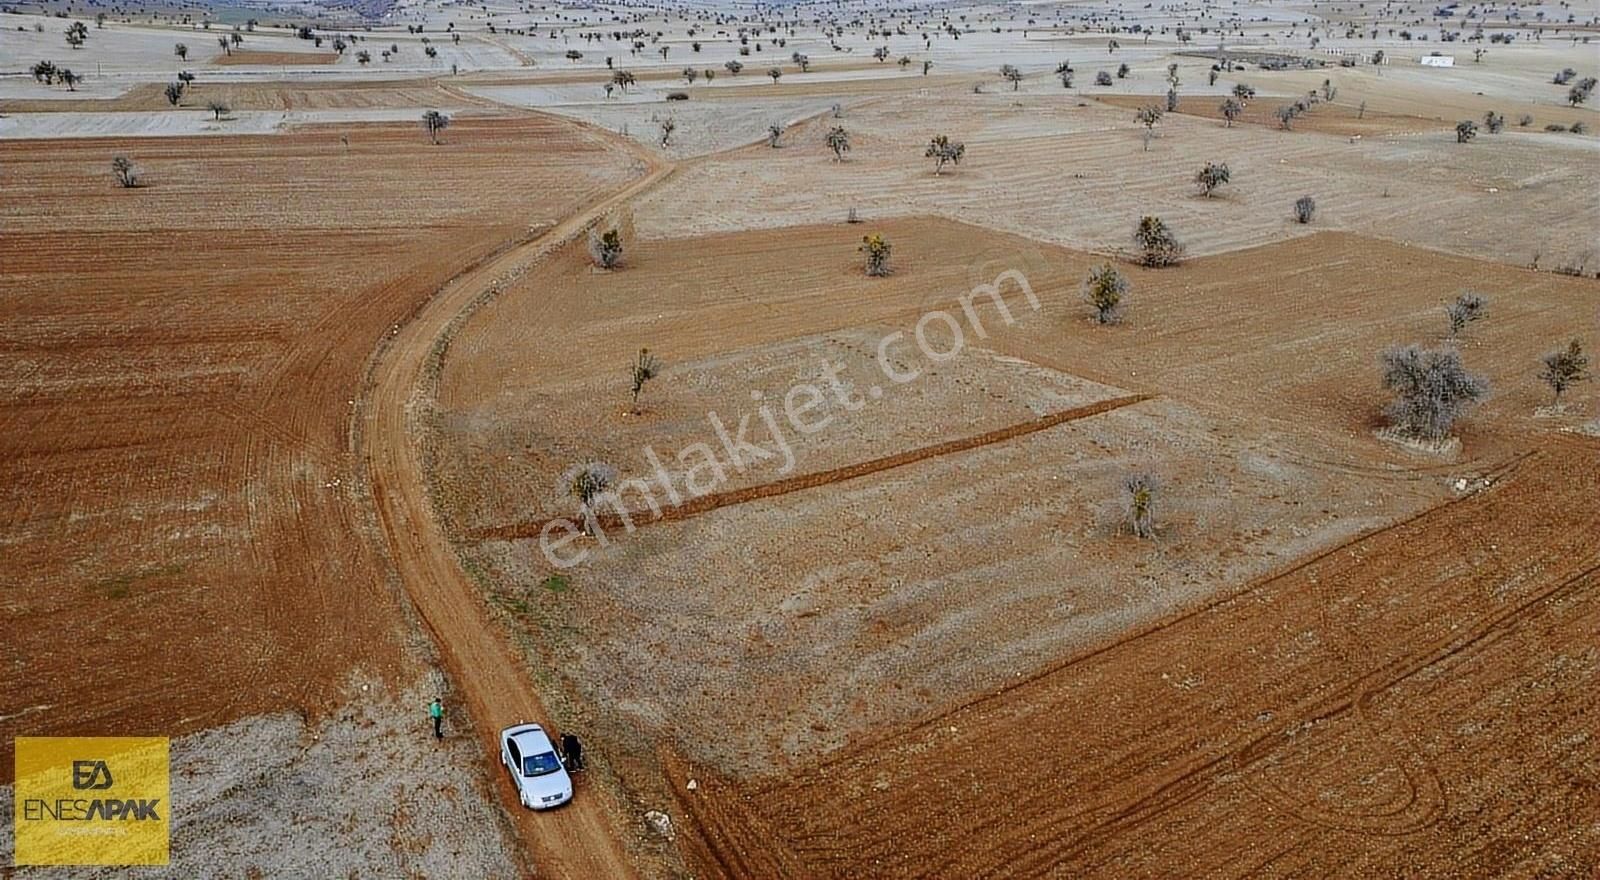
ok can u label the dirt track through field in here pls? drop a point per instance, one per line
(580, 840)
(717, 500)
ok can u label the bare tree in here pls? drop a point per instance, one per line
(1565, 367)
(645, 367)
(1011, 73)
(174, 93)
(1581, 91)
(181, 50)
(690, 74)
(1466, 130)
(1213, 175)
(1243, 93)
(1139, 505)
(1465, 309)
(1157, 245)
(1231, 110)
(1172, 100)
(217, 109)
(1286, 115)
(668, 126)
(125, 171)
(1148, 117)
(1102, 78)
(1432, 390)
(942, 150)
(1305, 208)
(876, 248)
(774, 131)
(1493, 122)
(434, 122)
(1105, 289)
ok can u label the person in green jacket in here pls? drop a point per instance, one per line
(436, 712)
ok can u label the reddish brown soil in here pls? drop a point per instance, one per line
(265, 95)
(245, 56)
(184, 539)
(1417, 697)
(1323, 118)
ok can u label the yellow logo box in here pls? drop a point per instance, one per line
(92, 800)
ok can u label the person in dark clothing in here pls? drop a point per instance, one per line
(572, 750)
(436, 712)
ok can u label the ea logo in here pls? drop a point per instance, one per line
(90, 775)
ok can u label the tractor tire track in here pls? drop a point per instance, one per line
(716, 500)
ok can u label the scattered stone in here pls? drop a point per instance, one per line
(659, 823)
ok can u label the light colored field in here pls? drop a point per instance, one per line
(1077, 175)
(361, 790)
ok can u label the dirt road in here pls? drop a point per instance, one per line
(580, 840)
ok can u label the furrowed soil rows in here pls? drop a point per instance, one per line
(181, 363)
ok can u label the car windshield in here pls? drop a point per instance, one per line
(539, 765)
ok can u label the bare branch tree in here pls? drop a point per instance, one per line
(645, 367)
(1565, 367)
(1465, 309)
(1139, 504)
(1432, 390)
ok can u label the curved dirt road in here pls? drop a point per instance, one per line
(579, 840)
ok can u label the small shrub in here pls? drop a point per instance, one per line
(1139, 505)
(125, 171)
(1102, 78)
(1467, 308)
(942, 150)
(586, 482)
(605, 248)
(1213, 175)
(1157, 245)
(839, 142)
(1565, 367)
(1105, 289)
(876, 248)
(1231, 109)
(1305, 208)
(645, 367)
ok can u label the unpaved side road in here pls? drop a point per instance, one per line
(578, 840)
